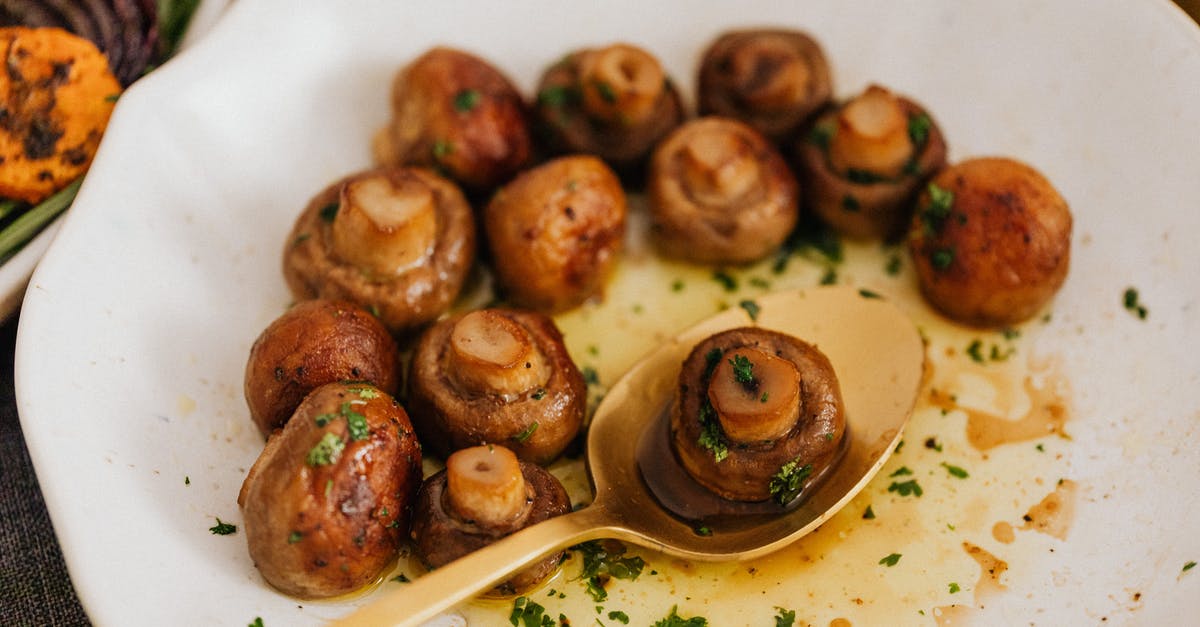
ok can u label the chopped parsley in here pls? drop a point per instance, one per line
(1188, 566)
(890, 560)
(751, 308)
(829, 277)
(538, 394)
(527, 433)
(863, 177)
(606, 91)
(942, 258)
(955, 471)
(786, 484)
(187, 480)
(934, 214)
(765, 396)
(711, 359)
(604, 560)
(901, 471)
(868, 294)
(702, 530)
(1134, 305)
(326, 451)
(590, 376)
(366, 393)
(850, 203)
(675, 620)
(820, 135)
(619, 616)
(932, 443)
(743, 371)
(401, 578)
(784, 618)
(893, 265)
(726, 280)
(906, 488)
(954, 588)
(329, 212)
(258, 622)
(918, 129)
(869, 514)
(677, 285)
(975, 351)
(223, 528)
(527, 613)
(357, 423)
(295, 537)
(466, 100)
(710, 432)
(557, 96)
(442, 148)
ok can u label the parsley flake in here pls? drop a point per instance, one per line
(1133, 305)
(955, 471)
(619, 616)
(675, 620)
(954, 588)
(726, 280)
(869, 514)
(751, 308)
(786, 484)
(891, 560)
(1188, 566)
(918, 129)
(326, 451)
(538, 394)
(223, 528)
(710, 432)
(329, 212)
(942, 258)
(906, 488)
(784, 618)
(901, 471)
(466, 100)
(743, 371)
(527, 433)
(401, 578)
(295, 537)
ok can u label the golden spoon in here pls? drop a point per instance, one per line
(878, 356)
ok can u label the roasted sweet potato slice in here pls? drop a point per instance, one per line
(56, 95)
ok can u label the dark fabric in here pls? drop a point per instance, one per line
(34, 587)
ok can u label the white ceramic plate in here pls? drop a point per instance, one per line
(137, 323)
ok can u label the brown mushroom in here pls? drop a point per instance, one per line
(719, 192)
(483, 495)
(862, 164)
(399, 242)
(991, 241)
(759, 415)
(327, 504)
(771, 79)
(615, 102)
(455, 112)
(555, 232)
(313, 343)
(496, 376)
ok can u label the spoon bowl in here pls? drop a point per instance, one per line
(878, 356)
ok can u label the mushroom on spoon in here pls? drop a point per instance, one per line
(878, 356)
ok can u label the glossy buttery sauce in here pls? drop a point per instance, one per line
(987, 446)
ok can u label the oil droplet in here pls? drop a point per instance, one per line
(185, 405)
(1047, 415)
(840, 622)
(1003, 533)
(991, 568)
(1053, 515)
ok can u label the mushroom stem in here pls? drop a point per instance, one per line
(872, 135)
(491, 353)
(383, 226)
(718, 167)
(484, 485)
(771, 75)
(621, 83)
(756, 395)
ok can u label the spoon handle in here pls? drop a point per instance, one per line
(416, 602)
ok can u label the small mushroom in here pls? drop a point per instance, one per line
(862, 164)
(771, 79)
(496, 376)
(327, 504)
(759, 415)
(484, 494)
(615, 102)
(314, 343)
(991, 241)
(399, 242)
(719, 192)
(455, 112)
(555, 232)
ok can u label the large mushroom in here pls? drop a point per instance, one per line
(455, 112)
(327, 504)
(496, 376)
(399, 242)
(772, 79)
(615, 102)
(719, 192)
(484, 494)
(991, 241)
(758, 416)
(555, 232)
(862, 164)
(313, 343)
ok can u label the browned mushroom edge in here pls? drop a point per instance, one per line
(776, 468)
(440, 537)
(555, 233)
(771, 79)
(405, 300)
(990, 241)
(537, 423)
(327, 504)
(313, 343)
(455, 112)
(859, 203)
(615, 102)
(719, 192)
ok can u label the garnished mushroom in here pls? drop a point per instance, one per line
(484, 494)
(862, 164)
(991, 241)
(496, 376)
(314, 343)
(615, 102)
(759, 415)
(397, 241)
(771, 79)
(720, 193)
(555, 232)
(455, 112)
(326, 505)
